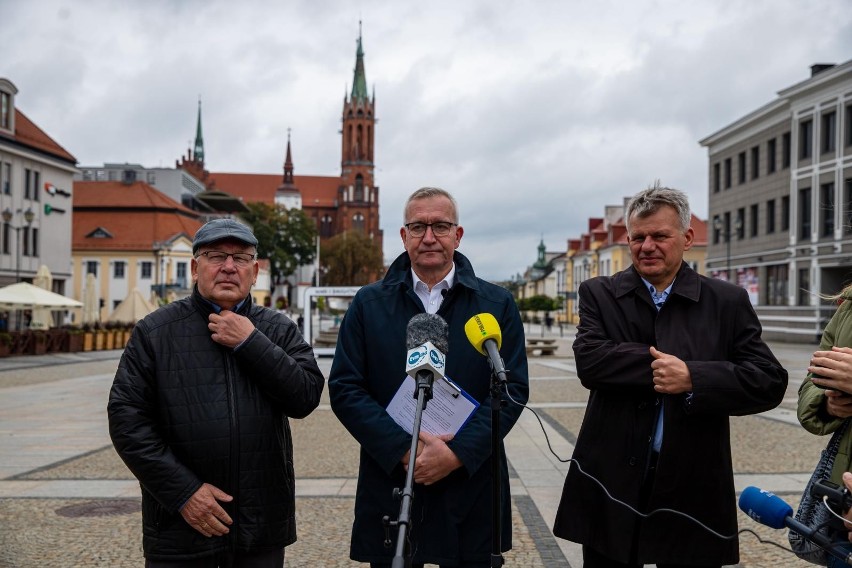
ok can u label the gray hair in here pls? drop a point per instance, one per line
(649, 201)
(426, 193)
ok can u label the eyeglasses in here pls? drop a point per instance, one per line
(439, 228)
(218, 258)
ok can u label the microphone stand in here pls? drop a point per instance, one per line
(402, 558)
(498, 379)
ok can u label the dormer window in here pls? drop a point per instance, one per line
(7, 106)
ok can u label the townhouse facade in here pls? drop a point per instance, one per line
(780, 203)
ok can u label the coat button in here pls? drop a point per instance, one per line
(632, 461)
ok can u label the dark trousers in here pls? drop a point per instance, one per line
(268, 559)
(594, 559)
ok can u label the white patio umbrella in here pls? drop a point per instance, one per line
(41, 316)
(24, 296)
(132, 309)
(91, 305)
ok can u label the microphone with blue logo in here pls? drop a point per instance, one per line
(427, 341)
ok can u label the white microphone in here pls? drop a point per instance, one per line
(427, 342)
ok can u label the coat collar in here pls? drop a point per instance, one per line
(399, 272)
(687, 283)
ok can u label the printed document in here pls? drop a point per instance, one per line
(446, 412)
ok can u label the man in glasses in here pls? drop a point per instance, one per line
(199, 413)
(451, 511)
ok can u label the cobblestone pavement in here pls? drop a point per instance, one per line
(66, 500)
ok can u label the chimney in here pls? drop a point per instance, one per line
(820, 67)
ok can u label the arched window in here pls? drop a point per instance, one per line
(358, 222)
(326, 226)
(359, 188)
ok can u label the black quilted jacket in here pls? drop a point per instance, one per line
(184, 410)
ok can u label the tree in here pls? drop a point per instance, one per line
(287, 237)
(350, 259)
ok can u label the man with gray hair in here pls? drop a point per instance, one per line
(667, 355)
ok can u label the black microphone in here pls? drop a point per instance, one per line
(768, 509)
(427, 341)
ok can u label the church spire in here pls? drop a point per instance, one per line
(198, 152)
(359, 83)
(288, 164)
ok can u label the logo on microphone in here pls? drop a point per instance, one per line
(415, 356)
(437, 359)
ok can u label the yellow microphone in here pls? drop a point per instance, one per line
(483, 332)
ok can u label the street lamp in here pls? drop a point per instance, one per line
(718, 224)
(29, 216)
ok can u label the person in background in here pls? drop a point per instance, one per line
(451, 511)
(825, 396)
(667, 355)
(199, 412)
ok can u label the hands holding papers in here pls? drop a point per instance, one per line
(445, 414)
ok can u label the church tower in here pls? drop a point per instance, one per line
(358, 197)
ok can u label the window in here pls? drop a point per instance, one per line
(740, 223)
(92, 267)
(770, 156)
(847, 208)
(118, 269)
(849, 125)
(359, 188)
(828, 132)
(326, 226)
(727, 173)
(358, 222)
(752, 224)
(28, 179)
(826, 208)
(717, 181)
(785, 213)
(146, 269)
(181, 273)
(755, 162)
(777, 283)
(770, 216)
(36, 183)
(805, 213)
(786, 150)
(7, 236)
(5, 111)
(804, 295)
(806, 133)
(717, 229)
(7, 178)
(25, 241)
(741, 171)
(35, 241)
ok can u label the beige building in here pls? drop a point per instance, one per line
(780, 201)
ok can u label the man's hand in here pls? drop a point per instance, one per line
(671, 375)
(407, 457)
(436, 461)
(203, 512)
(834, 369)
(229, 329)
(838, 403)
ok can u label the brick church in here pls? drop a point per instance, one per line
(337, 204)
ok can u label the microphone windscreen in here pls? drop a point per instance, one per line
(427, 327)
(764, 507)
(480, 328)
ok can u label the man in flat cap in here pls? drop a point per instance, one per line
(199, 412)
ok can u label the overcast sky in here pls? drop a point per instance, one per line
(534, 114)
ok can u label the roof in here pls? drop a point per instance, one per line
(317, 191)
(135, 215)
(29, 135)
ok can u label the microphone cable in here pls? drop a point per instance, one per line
(628, 505)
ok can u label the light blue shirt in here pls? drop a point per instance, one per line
(659, 298)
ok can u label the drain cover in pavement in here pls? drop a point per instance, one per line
(100, 508)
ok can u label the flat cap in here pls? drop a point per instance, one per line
(221, 229)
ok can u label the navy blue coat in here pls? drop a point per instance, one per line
(185, 410)
(452, 518)
(711, 326)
